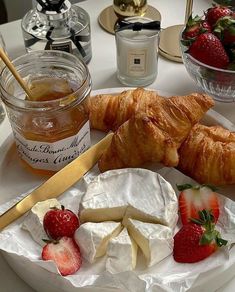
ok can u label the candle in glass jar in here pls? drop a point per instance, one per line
(137, 54)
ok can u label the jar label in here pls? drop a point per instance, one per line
(53, 156)
(66, 47)
(137, 62)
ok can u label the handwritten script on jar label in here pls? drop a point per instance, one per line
(53, 156)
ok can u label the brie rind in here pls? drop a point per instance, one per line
(33, 222)
(92, 238)
(136, 193)
(121, 253)
(155, 240)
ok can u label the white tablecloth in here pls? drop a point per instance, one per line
(172, 77)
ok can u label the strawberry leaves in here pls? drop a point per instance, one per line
(207, 220)
(196, 187)
(209, 39)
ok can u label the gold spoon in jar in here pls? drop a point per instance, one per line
(14, 72)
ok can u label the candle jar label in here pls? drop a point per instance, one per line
(137, 62)
(53, 156)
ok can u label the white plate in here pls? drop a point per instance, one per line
(16, 180)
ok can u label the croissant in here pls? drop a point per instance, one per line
(155, 136)
(137, 141)
(108, 112)
(177, 114)
(208, 155)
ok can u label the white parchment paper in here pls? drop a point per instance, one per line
(164, 276)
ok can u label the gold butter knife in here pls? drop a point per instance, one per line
(58, 183)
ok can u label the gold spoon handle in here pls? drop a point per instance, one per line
(188, 11)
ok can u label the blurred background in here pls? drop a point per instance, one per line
(11, 10)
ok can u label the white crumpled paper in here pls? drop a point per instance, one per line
(164, 276)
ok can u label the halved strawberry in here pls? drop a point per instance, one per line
(193, 199)
(65, 253)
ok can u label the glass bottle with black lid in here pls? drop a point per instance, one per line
(58, 25)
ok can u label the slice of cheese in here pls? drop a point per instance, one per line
(136, 193)
(33, 222)
(155, 240)
(122, 253)
(93, 238)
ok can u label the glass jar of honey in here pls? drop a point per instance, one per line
(52, 127)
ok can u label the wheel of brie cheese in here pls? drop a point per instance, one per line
(146, 206)
(122, 212)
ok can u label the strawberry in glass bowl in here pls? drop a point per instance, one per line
(208, 51)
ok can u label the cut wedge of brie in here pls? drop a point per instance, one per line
(121, 253)
(93, 238)
(33, 222)
(155, 240)
(136, 193)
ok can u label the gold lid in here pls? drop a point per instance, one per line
(107, 18)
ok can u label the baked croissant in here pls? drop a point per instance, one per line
(208, 155)
(155, 136)
(108, 112)
(137, 141)
(177, 114)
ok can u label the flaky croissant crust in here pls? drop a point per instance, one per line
(138, 141)
(208, 155)
(156, 134)
(108, 111)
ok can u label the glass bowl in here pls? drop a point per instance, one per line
(218, 83)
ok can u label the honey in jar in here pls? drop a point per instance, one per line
(51, 128)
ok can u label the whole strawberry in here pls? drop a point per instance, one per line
(197, 241)
(225, 30)
(208, 49)
(60, 222)
(194, 27)
(213, 14)
(65, 253)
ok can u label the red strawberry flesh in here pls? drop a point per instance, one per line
(196, 199)
(65, 254)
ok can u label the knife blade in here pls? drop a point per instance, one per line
(58, 183)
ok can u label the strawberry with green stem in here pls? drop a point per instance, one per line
(225, 30)
(213, 14)
(197, 240)
(193, 199)
(194, 27)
